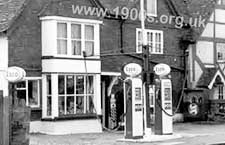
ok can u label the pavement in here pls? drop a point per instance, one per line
(197, 133)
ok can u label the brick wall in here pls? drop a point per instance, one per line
(25, 38)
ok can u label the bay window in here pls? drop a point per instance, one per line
(154, 41)
(74, 38)
(29, 91)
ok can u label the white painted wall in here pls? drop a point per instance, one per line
(49, 37)
(208, 31)
(205, 52)
(66, 127)
(220, 13)
(71, 66)
(3, 65)
(220, 29)
(198, 72)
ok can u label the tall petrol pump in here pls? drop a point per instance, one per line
(163, 101)
(133, 102)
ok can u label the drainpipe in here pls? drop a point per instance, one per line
(122, 21)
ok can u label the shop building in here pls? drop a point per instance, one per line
(205, 61)
(73, 61)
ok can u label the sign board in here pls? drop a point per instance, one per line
(162, 69)
(193, 109)
(132, 69)
(15, 74)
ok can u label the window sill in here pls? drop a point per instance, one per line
(72, 117)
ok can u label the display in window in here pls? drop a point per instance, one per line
(29, 92)
(90, 85)
(80, 104)
(61, 105)
(90, 104)
(33, 92)
(21, 95)
(61, 85)
(49, 85)
(70, 84)
(49, 106)
(80, 85)
(70, 105)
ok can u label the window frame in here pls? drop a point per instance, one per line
(219, 60)
(86, 96)
(82, 39)
(156, 10)
(26, 80)
(153, 42)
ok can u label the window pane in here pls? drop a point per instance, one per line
(76, 47)
(220, 51)
(89, 32)
(89, 48)
(70, 105)
(21, 85)
(90, 85)
(158, 42)
(61, 105)
(49, 85)
(139, 36)
(70, 85)
(75, 31)
(61, 46)
(33, 92)
(49, 105)
(90, 104)
(21, 95)
(61, 30)
(79, 84)
(150, 40)
(151, 7)
(80, 104)
(61, 84)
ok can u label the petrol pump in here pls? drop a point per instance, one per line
(133, 106)
(163, 101)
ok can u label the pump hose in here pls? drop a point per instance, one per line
(178, 105)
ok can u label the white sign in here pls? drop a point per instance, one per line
(132, 69)
(193, 109)
(162, 69)
(15, 74)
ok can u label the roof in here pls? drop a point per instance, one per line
(9, 11)
(206, 77)
(209, 77)
(195, 9)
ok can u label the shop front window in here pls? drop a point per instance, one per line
(49, 95)
(29, 92)
(75, 93)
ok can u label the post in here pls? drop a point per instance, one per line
(1, 117)
(146, 54)
(4, 119)
(147, 83)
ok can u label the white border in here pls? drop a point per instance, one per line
(59, 18)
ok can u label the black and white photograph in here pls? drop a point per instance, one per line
(112, 72)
